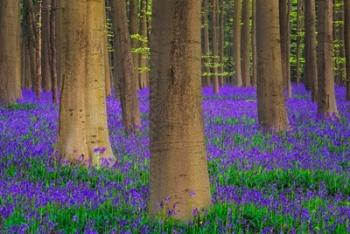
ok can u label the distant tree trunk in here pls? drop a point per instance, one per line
(10, 52)
(310, 72)
(26, 65)
(221, 17)
(327, 105)
(134, 29)
(206, 44)
(347, 45)
(254, 62)
(179, 179)
(284, 8)
(45, 45)
(83, 132)
(246, 43)
(215, 44)
(124, 67)
(143, 74)
(237, 42)
(33, 14)
(339, 48)
(299, 25)
(53, 53)
(271, 105)
(37, 17)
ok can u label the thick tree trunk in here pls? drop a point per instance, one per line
(246, 43)
(126, 75)
(271, 104)
(254, 62)
(284, 8)
(215, 44)
(327, 105)
(310, 72)
(347, 45)
(237, 43)
(45, 45)
(83, 132)
(10, 52)
(179, 176)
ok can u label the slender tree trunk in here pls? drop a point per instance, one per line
(299, 25)
(45, 44)
(134, 30)
(347, 45)
(246, 43)
(222, 43)
(339, 49)
(310, 72)
(215, 43)
(127, 79)
(206, 43)
(83, 132)
(284, 8)
(53, 53)
(254, 62)
(35, 44)
(237, 42)
(327, 105)
(10, 52)
(37, 30)
(271, 104)
(28, 80)
(179, 179)
(143, 75)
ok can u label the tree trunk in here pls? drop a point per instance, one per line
(53, 53)
(327, 105)
(179, 182)
(35, 44)
(206, 44)
(10, 52)
(108, 77)
(143, 73)
(134, 31)
(299, 25)
(310, 72)
(254, 62)
(45, 45)
(221, 19)
(284, 8)
(271, 104)
(339, 47)
(215, 43)
(83, 132)
(127, 79)
(347, 45)
(27, 70)
(237, 42)
(246, 43)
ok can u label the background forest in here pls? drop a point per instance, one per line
(174, 116)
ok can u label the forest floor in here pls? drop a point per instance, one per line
(296, 182)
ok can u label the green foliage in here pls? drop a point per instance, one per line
(21, 106)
